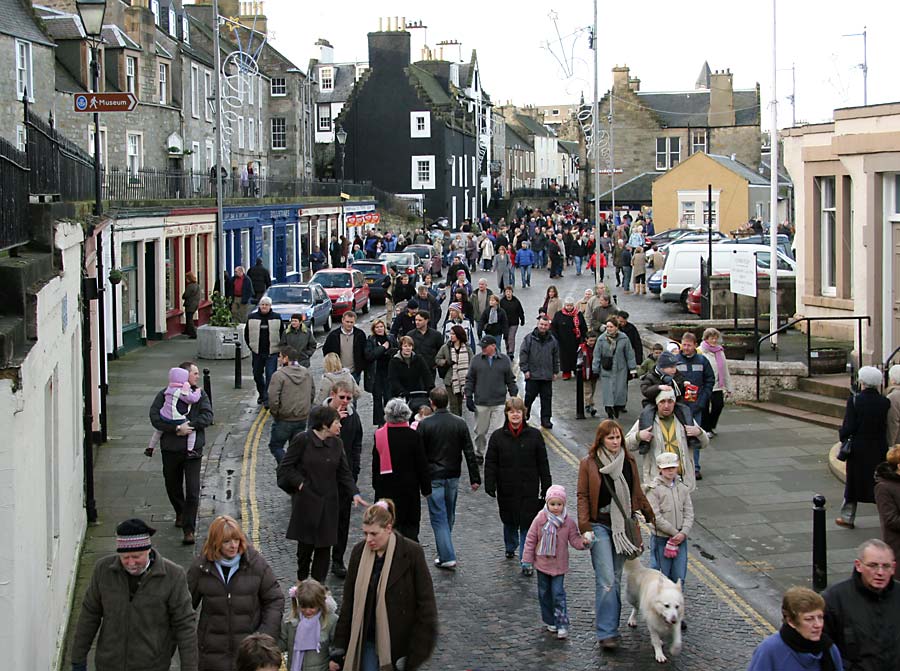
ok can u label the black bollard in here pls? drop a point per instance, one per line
(579, 392)
(237, 365)
(820, 560)
(207, 384)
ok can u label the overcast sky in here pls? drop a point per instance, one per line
(664, 45)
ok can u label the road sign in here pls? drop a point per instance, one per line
(606, 171)
(743, 274)
(105, 102)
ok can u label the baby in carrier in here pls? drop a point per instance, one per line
(665, 374)
(179, 397)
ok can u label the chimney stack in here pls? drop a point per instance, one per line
(620, 77)
(721, 98)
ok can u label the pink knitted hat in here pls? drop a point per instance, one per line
(556, 492)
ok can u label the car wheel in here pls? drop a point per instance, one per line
(683, 299)
(365, 309)
(326, 327)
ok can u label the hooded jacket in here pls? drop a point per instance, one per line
(672, 506)
(303, 340)
(291, 393)
(539, 355)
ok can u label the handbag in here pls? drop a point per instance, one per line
(632, 526)
(847, 445)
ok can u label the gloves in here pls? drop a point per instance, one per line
(148, 452)
(671, 550)
(470, 404)
(588, 537)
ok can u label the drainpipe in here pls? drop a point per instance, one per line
(87, 389)
(101, 325)
(115, 293)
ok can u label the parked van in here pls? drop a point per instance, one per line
(682, 270)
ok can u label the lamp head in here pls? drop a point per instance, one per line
(341, 135)
(92, 13)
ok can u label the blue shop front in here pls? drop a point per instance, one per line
(283, 236)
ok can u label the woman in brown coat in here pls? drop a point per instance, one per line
(316, 474)
(237, 592)
(887, 498)
(191, 298)
(608, 479)
(389, 615)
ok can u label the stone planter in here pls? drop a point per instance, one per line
(827, 360)
(217, 342)
(675, 332)
(745, 338)
(735, 350)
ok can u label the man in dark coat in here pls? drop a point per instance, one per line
(517, 472)
(316, 473)
(340, 399)
(862, 613)
(634, 337)
(427, 340)
(260, 277)
(446, 440)
(181, 468)
(140, 603)
(539, 363)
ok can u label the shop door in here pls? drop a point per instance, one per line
(279, 271)
(150, 291)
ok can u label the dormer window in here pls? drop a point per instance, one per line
(185, 29)
(154, 7)
(326, 79)
(173, 26)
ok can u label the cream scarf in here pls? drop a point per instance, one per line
(612, 466)
(382, 626)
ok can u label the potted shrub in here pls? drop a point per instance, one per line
(115, 276)
(216, 339)
(734, 350)
(827, 360)
(745, 338)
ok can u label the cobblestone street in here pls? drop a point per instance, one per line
(751, 539)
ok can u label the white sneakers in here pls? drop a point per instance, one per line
(551, 628)
(561, 632)
(447, 564)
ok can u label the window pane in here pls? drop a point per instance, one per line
(170, 274)
(290, 245)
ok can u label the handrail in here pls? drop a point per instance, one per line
(809, 320)
(886, 365)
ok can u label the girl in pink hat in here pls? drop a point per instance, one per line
(547, 550)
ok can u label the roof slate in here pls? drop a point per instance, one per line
(636, 190)
(569, 146)
(513, 138)
(533, 126)
(430, 85)
(63, 26)
(691, 108)
(740, 169)
(65, 82)
(17, 21)
(344, 80)
(115, 38)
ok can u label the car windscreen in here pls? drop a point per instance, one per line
(332, 280)
(762, 260)
(421, 252)
(290, 294)
(368, 268)
(402, 259)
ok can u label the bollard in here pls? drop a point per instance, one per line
(579, 392)
(237, 365)
(820, 560)
(207, 384)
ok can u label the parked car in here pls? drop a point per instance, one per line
(307, 299)
(694, 236)
(406, 262)
(783, 243)
(654, 284)
(374, 272)
(346, 288)
(682, 270)
(665, 237)
(695, 300)
(425, 253)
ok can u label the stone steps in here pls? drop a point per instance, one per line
(778, 408)
(832, 386)
(810, 402)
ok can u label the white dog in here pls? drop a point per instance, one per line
(659, 601)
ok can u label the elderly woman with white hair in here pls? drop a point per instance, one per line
(865, 425)
(893, 419)
(570, 329)
(400, 470)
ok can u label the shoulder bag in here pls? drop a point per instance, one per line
(847, 445)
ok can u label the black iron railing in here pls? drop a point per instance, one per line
(887, 365)
(809, 320)
(13, 196)
(57, 166)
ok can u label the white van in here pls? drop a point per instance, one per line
(682, 270)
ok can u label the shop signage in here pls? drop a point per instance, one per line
(367, 219)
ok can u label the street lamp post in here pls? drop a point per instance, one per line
(341, 136)
(92, 13)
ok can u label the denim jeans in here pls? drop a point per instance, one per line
(514, 538)
(674, 569)
(626, 278)
(541, 259)
(442, 511)
(607, 583)
(369, 661)
(578, 260)
(283, 432)
(263, 369)
(511, 276)
(526, 275)
(552, 597)
(698, 417)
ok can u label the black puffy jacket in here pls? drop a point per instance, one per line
(447, 439)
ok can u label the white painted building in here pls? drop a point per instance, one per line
(42, 517)
(333, 83)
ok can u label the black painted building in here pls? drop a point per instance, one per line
(408, 130)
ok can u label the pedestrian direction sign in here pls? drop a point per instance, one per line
(743, 274)
(104, 102)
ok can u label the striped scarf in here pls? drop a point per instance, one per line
(460, 361)
(547, 545)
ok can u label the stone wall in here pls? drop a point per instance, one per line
(42, 68)
(742, 141)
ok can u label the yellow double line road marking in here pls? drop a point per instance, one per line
(697, 568)
(248, 477)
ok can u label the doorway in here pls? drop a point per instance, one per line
(150, 276)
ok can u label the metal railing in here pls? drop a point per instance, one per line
(887, 365)
(57, 166)
(13, 196)
(125, 184)
(561, 192)
(809, 320)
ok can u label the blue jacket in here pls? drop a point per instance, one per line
(524, 258)
(698, 371)
(773, 654)
(390, 245)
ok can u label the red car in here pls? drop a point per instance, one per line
(694, 300)
(346, 288)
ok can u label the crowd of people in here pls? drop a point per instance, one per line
(227, 610)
